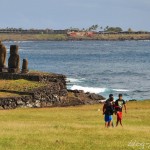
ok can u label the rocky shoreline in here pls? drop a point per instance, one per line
(53, 93)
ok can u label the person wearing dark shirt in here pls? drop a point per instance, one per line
(119, 104)
(113, 107)
(108, 110)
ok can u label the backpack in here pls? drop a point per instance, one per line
(109, 108)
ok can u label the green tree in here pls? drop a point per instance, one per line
(113, 29)
(106, 28)
(101, 28)
(93, 27)
(130, 30)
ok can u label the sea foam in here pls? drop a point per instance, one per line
(88, 89)
(74, 80)
(120, 90)
(96, 90)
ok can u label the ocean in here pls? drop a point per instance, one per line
(101, 67)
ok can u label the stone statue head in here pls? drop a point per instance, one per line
(25, 66)
(14, 50)
(14, 59)
(2, 55)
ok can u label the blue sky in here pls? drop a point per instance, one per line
(61, 14)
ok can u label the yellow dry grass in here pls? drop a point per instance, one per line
(73, 128)
(20, 85)
(64, 37)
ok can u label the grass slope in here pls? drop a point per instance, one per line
(20, 85)
(8, 88)
(73, 128)
(8, 94)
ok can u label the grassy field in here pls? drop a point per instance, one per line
(74, 128)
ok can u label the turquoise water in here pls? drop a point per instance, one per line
(101, 67)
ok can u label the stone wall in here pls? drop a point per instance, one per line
(14, 102)
(40, 77)
(47, 96)
(52, 95)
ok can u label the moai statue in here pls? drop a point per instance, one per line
(2, 57)
(25, 66)
(14, 60)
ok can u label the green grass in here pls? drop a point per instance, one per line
(73, 128)
(20, 85)
(11, 88)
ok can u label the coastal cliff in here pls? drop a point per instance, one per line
(37, 90)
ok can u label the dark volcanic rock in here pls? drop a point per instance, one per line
(53, 94)
(83, 98)
(2, 56)
(25, 66)
(14, 60)
(95, 96)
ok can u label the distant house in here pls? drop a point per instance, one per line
(80, 34)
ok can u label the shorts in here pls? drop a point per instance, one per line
(119, 115)
(108, 118)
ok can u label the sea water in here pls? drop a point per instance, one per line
(101, 67)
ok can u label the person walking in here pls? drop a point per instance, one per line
(119, 104)
(108, 110)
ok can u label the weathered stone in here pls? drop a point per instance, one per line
(43, 104)
(30, 105)
(14, 60)
(49, 104)
(63, 92)
(25, 66)
(40, 77)
(20, 102)
(95, 96)
(37, 103)
(2, 57)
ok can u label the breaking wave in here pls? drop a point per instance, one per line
(73, 80)
(88, 89)
(96, 89)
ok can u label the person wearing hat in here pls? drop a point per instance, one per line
(108, 110)
(119, 104)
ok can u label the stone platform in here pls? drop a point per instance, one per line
(50, 92)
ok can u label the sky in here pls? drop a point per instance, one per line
(62, 14)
